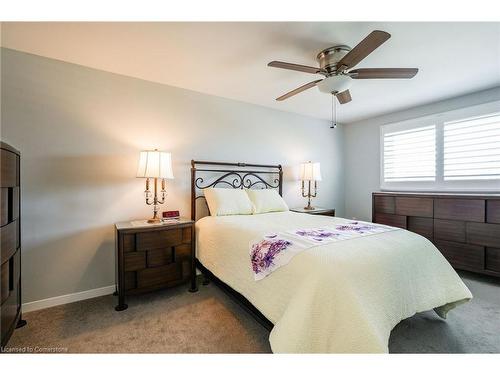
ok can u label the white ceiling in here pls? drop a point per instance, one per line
(229, 59)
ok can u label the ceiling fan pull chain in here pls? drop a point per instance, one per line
(335, 107)
(334, 112)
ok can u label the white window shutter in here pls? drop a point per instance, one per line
(410, 155)
(472, 149)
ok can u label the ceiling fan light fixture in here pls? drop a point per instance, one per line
(335, 84)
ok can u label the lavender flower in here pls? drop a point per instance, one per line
(264, 252)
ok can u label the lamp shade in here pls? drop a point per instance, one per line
(155, 164)
(310, 172)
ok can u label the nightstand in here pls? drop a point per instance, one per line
(153, 256)
(316, 211)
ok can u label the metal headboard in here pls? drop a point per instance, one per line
(244, 176)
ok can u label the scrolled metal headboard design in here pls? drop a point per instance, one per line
(243, 178)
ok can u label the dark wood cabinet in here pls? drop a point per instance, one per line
(151, 257)
(464, 227)
(10, 250)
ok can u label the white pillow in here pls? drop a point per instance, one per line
(266, 200)
(228, 202)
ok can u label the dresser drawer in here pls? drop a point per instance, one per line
(459, 209)
(461, 255)
(493, 211)
(11, 304)
(493, 259)
(449, 230)
(408, 206)
(421, 225)
(159, 275)
(384, 205)
(392, 220)
(9, 310)
(483, 234)
(9, 169)
(9, 204)
(5, 281)
(9, 240)
(158, 239)
(4, 207)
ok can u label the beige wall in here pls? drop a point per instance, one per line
(80, 131)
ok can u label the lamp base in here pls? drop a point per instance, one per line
(154, 220)
(309, 208)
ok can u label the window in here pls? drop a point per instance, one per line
(452, 151)
(410, 155)
(472, 149)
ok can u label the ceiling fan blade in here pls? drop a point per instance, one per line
(297, 67)
(298, 90)
(374, 40)
(373, 73)
(344, 97)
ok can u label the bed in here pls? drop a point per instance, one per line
(340, 297)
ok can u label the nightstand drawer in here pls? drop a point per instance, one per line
(158, 239)
(159, 275)
(186, 235)
(128, 242)
(183, 252)
(134, 261)
(160, 257)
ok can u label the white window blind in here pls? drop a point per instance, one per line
(410, 155)
(472, 149)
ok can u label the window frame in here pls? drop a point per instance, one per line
(438, 119)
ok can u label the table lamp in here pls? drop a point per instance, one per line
(156, 165)
(309, 172)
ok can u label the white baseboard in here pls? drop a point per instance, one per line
(68, 298)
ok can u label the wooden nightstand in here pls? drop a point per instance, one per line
(153, 256)
(316, 211)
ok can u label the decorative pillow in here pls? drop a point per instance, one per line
(266, 200)
(228, 202)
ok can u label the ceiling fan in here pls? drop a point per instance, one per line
(334, 64)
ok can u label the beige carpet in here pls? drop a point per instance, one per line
(169, 321)
(175, 321)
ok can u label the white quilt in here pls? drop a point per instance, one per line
(342, 297)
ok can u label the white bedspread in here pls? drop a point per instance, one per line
(342, 297)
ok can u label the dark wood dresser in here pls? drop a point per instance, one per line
(465, 228)
(10, 310)
(151, 257)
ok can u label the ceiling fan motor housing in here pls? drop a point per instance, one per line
(329, 57)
